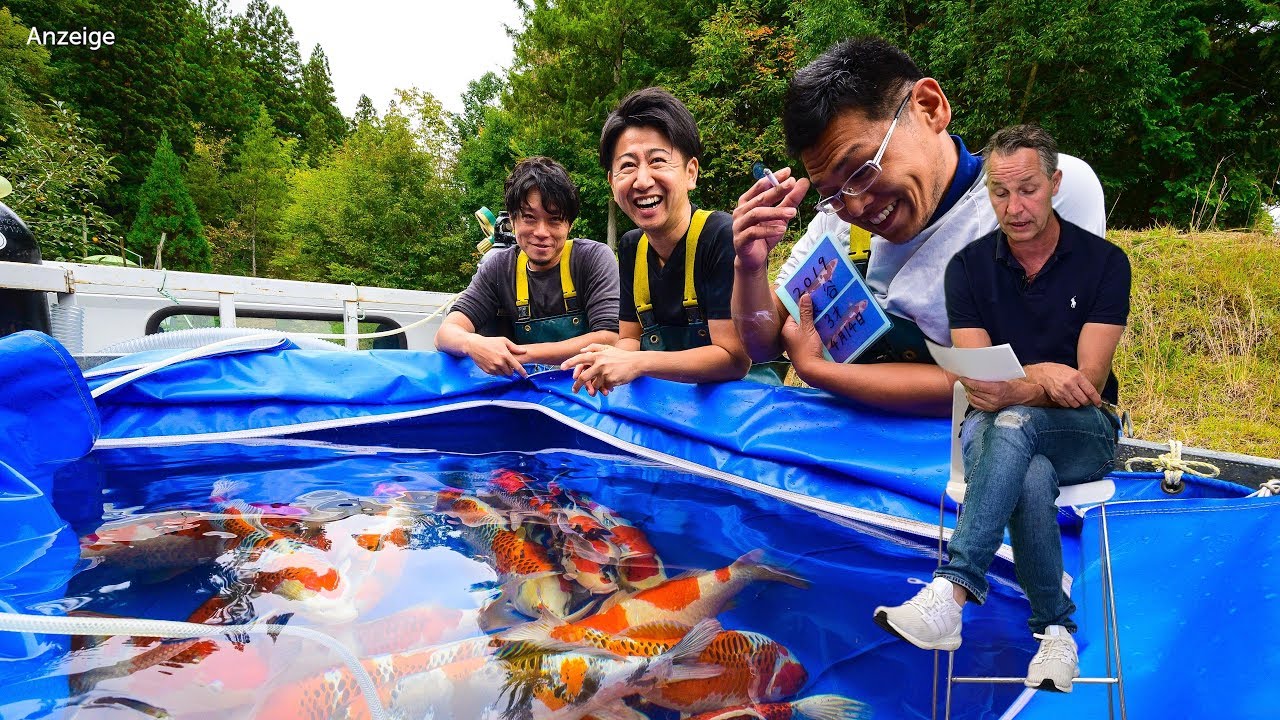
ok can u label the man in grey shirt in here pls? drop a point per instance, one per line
(545, 299)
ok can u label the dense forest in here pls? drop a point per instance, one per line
(209, 130)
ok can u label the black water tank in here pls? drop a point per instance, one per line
(20, 309)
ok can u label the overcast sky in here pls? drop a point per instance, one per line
(376, 46)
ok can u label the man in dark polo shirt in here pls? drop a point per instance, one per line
(1060, 297)
(543, 300)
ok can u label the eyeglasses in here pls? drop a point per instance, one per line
(866, 174)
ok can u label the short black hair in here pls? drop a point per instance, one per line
(652, 107)
(1009, 140)
(550, 179)
(863, 73)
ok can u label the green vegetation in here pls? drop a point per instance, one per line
(1200, 361)
(167, 225)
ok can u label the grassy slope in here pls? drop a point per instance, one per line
(1200, 361)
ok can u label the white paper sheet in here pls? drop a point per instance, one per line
(988, 363)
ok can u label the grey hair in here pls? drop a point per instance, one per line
(1016, 137)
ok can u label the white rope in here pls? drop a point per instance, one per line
(1269, 488)
(1174, 466)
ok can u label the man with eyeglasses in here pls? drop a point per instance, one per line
(871, 130)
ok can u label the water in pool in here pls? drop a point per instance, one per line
(557, 584)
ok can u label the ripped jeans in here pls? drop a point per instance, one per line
(1014, 461)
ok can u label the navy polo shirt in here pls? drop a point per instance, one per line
(1086, 280)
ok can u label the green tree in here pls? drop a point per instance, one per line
(165, 211)
(1208, 145)
(1164, 99)
(259, 189)
(742, 61)
(274, 64)
(574, 60)
(484, 133)
(24, 73)
(59, 173)
(129, 92)
(219, 90)
(325, 126)
(481, 94)
(208, 179)
(365, 112)
(382, 208)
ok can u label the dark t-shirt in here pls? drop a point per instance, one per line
(489, 302)
(1086, 280)
(712, 274)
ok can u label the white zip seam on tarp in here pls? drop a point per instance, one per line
(830, 507)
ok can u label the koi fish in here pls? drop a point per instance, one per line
(638, 565)
(569, 686)
(517, 493)
(159, 545)
(334, 692)
(539, 583)
(685, 599)
(411, 629)
(589, 563)
(818, 707)
(755, 669)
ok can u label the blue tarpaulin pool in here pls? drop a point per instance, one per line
(347, 470)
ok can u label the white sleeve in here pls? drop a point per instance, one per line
(1079, 199)
(821, 224)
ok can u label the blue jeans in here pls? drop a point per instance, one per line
(1014, 461)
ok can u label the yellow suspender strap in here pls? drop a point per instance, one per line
(640, 286)
(566, 280)
(859, 244)
(522, 281)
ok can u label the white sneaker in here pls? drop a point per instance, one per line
(1055, 664)
(930, 620)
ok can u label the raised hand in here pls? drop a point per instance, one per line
(761, 217)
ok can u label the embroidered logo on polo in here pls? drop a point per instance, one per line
(1073, 302)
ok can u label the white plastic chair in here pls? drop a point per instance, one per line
(1097, 493)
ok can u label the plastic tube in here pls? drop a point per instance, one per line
(139, 627)
(67, 322)
(185, 339)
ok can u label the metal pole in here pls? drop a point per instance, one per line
(1111, 597)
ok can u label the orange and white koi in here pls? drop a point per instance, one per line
(538, 584)
(817, 707)
(684, 600)
(569, 686)
(755, 669)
